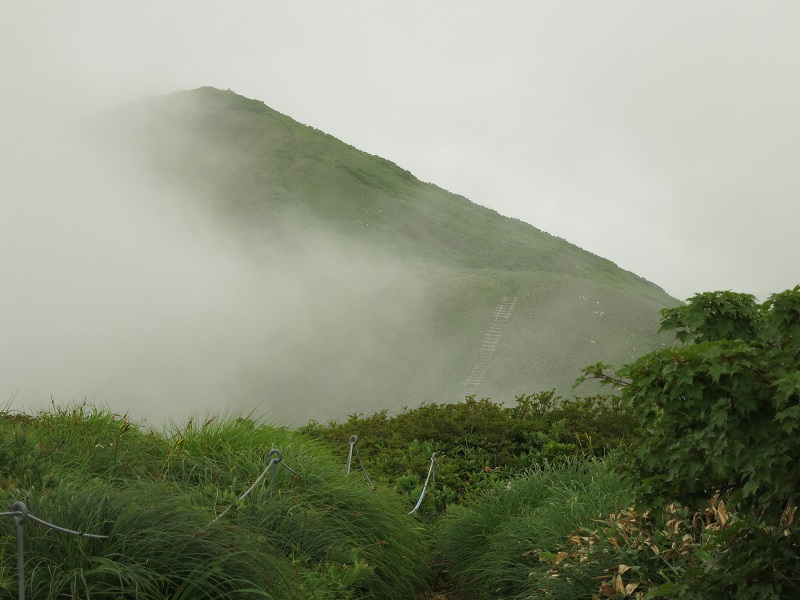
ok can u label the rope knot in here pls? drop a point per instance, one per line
(22, 509)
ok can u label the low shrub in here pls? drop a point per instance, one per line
(479, 443)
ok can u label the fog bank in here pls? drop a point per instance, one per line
(123, 291)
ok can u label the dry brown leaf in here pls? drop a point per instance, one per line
(576, 540)
(608, 590)
(787, 517)
(629, 589)
(619, 586)
(722, 513)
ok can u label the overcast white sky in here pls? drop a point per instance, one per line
(664, 136)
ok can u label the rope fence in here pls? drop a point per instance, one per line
(431, 478)
(19, 511)
(431, 472)
(20, 514)
(275, 459)
(354, 448)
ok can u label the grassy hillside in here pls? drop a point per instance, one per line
(251, 162)
(423, 269)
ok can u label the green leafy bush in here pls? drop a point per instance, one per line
(720, 416)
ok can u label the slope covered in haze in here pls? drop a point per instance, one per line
(253, 162)
(388, 285)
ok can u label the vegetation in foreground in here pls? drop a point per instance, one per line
(686, 487)
(478, 444)
(720, 417)
(160, 497)
(713, 477)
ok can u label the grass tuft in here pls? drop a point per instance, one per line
(505, 544)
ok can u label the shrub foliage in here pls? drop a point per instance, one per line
(721, 416)
(478, 443)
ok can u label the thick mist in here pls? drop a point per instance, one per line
(121, 289)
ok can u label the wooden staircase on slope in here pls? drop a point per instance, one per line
(500, 318)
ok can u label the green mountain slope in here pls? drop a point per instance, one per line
(400, 315)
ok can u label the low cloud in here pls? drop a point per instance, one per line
(124, 291)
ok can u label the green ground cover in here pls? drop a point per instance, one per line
(158, 497)
(169, 501)
(648, 495)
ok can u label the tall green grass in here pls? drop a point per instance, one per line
(506, 543)
(158, 496)
(157, 547)
(336, 532)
